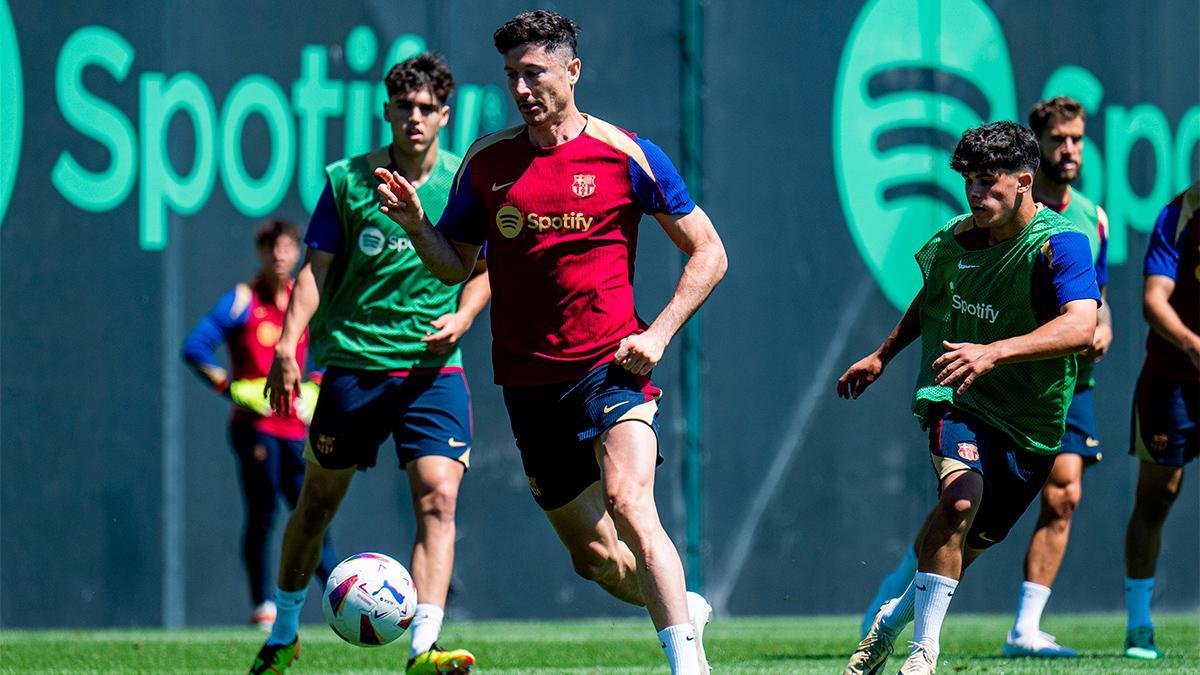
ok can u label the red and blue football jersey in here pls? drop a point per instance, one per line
(559, 226)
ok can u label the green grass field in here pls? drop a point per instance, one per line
(970, 644)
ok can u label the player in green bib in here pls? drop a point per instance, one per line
(1009, 296)
(387, 332)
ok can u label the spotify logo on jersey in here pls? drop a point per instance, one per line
(508, 221)
(11, 107)
(371, 241)
(914, 75)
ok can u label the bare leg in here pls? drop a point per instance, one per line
(1060, 496)
(1157, 488)
(588, 533)
(320, 496)
(941, 550)
(434, 483)
(627, 454)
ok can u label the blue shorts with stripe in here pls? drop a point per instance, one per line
(556, 426)
(1164, 429)
(427, 413)
(1080, 435)
(1012, 476)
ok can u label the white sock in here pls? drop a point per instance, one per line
(898, 612)
(287, 616)
(679, 642)
(891, 586)
(1029, 608)
(426, 625)
(1137, 601)
(933, 592)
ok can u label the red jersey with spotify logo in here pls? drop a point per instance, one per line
(559, 225)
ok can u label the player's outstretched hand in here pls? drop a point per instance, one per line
(449, 330)
(283, 383)
(859, 376)
(1100, 343)
(640, 353)
(963, 362)
(398, 199)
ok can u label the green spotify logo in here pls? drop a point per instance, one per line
(10, 106)
(914, 75)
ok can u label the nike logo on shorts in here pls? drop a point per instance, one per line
(610, 408)
(921, 588)
(456, 444)
(501, 186)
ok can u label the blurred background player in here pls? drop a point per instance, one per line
(387, 332)
(1009, 296)
(1058, 124)
(1166, 403)
(269, 446)
(558, 201)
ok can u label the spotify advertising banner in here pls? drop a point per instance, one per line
(142, 144)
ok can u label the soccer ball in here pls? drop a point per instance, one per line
(369, 600)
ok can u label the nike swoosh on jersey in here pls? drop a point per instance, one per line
(497, 188)
(610, 408)
(961, 266)
(456, 444)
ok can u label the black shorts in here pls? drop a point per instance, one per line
(426, 413)
(1164, 421)
(556, 426)
(1012, 475)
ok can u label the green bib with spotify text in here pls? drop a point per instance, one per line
(982, 296)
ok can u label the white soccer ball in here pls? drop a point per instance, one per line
(369, 600)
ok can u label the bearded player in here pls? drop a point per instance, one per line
(558, 200)
(387, 332)
(1009, 296)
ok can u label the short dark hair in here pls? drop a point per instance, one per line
(1057, 109)
(1005, 147)
(542, 27)
(269, 232)
(423, 71)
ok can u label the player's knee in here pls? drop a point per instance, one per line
(593, 562)
(439, 503)
(630, 510)
(1061, 501)
(1154, 508)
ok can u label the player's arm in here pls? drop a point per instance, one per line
(1164, 320)
(866, 370)
(451, 327)
(210, 332)
(1073, 278)
(324, 239)
(1104, 331)
(451, 261)
(1160, 270)
(694, 234)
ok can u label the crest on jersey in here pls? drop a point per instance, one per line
(584, 185)
(968, 451)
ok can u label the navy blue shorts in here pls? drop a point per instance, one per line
(1080, 435)
(1164, 421)
(1012, 476)
(426, 413)
(556, 426)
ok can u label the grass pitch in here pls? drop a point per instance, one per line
(970, 644)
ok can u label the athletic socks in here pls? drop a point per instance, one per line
(426, 625)
(287, 618)
(892, 585)
(679, 642)
(1137, 601)
(898, 612)
(1029, 609)
(933, 594)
